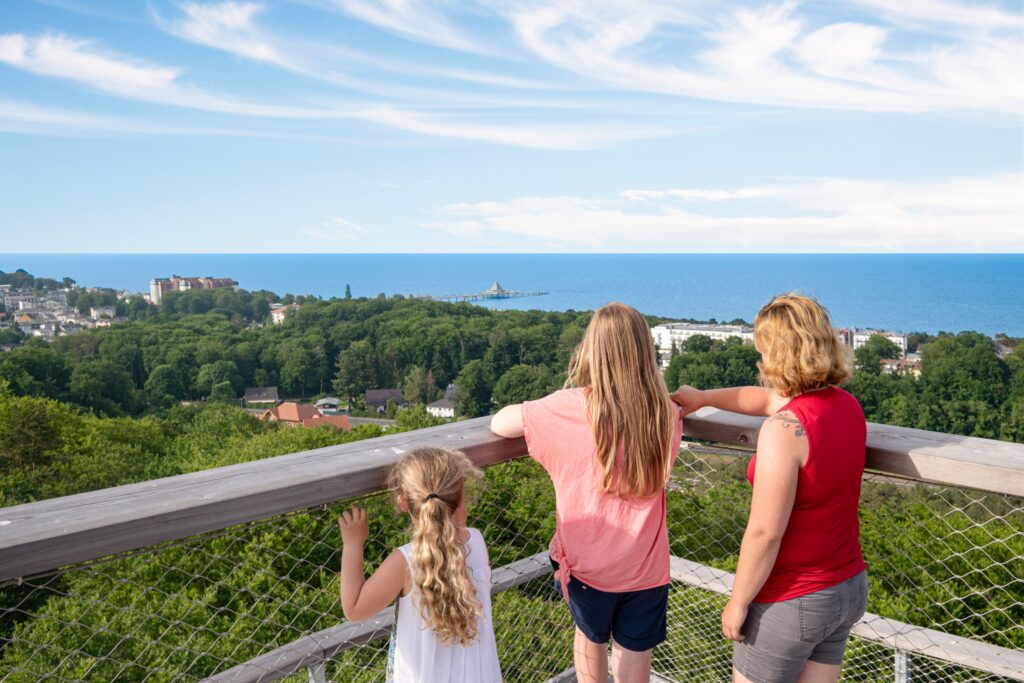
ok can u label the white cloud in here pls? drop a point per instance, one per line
(837, 49)
(23, 117)
(80, 61)
(63, 57)
(771, 54)
(338, 229)
(808, 215)
(690, 194)
(417, 19)
(931, 12)
(228, 26)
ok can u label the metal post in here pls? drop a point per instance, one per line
(902, 666)
(316, 673)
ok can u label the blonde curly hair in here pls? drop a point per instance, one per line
(431, 482)
(800, 351)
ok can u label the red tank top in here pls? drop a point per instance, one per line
(821, 545)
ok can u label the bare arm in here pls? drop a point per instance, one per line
(782, 447)
(508, 422)
(745, 400)
(362, 598)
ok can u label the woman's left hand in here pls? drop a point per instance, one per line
(733, 617)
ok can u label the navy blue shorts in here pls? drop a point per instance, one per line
(635, 619)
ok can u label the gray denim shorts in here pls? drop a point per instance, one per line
(780, 637)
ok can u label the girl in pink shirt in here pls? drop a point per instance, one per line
(608, 441)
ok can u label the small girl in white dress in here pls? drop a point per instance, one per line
(442, 579)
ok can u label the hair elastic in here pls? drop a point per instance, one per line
(432, 495)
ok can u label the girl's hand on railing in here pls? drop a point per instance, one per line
(688, 398)
(353, 526)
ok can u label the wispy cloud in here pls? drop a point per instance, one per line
(236, 28)
(417, 19)
(944, 12)
(338, 229)
(228, 26)
(654, 61)
(27, 118)
(771, 54)
(806, 215)
(83, 62)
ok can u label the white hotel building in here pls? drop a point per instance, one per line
(855, 338)
(667, 334)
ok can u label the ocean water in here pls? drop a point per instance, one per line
(902, 292)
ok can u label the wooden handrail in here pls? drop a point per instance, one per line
(43, 536)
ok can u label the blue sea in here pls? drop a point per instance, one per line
(902, 292)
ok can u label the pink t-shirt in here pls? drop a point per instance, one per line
(609, 543)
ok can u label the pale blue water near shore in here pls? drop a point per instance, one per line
(905, 292)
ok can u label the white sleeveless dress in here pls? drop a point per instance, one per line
(419, 657)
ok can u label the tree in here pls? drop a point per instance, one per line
(348, 291)
(698, 343)
(223, 392)
(475, 386)
(212, 374)
(730, 367)
(391, 409)
(356, 370)
(869, 356)
(966, 367)
(30, 430)
(303, 364)
(102, 386)
(36, 371)
(568, 340)
(524, 383)
(163, 386)
(419, 386)
(11, 335)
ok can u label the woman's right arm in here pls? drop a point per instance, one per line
(745, 400)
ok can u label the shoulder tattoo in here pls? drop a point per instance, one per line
(788, 422)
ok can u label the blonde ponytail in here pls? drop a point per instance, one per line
(431, 482)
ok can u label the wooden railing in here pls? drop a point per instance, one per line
(42, 537)
(49, 534)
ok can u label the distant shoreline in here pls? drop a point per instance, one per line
(905, 292)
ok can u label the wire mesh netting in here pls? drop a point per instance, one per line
(948, 559)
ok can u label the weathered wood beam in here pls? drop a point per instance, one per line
(967, 461)
(43, 536)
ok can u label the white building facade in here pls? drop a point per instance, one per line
(667, 334)
(855, 338)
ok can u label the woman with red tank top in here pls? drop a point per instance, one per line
(801, 581)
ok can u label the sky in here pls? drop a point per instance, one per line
(361, 126)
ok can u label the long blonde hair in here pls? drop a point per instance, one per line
(626, 400)
(800, 351)
(431, 482)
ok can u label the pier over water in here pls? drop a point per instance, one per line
(495, 291)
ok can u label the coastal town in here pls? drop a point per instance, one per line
(47, 312)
